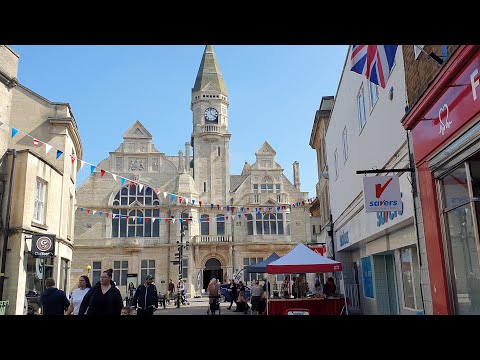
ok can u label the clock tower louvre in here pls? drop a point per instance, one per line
(210, 136)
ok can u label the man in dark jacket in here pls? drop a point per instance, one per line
(54, 301)
(146, 297)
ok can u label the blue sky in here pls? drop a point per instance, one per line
(273, 91)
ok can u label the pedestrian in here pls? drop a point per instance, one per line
(53, 300)
(146, 297)
(103, 299)
(78, 295)
(257, 292)
(171, 290)
(233, 293)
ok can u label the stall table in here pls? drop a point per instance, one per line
(315, 306)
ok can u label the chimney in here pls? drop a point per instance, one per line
(181, 165)
(296, 175)
(187, 157)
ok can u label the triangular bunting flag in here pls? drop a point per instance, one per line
(179, 199)
(88, 211)
(14, 132)
(81, 209)
(114, 177)
(200, 203)
(140, 187)
(100, 213)
(173, 221)
(107, 214)
(123, 180)
(153, 220)
(47, 148)
(164, 194)
(166, 220)
(147, 219)
(92, 169)
(94, 211)
(193, 201)
(81, 164)
(131, 183)
(73, 158)
(102, 172)
(172, 197)
(35, 142)
(59, 153)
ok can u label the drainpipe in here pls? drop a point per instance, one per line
(6, 228)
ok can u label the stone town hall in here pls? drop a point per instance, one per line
(220, 243)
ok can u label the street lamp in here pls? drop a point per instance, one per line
(88, 270)
(183, 229)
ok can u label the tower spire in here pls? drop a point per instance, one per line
(209, 72)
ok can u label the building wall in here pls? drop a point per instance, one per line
(420, 71)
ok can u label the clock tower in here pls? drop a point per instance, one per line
(210, 136)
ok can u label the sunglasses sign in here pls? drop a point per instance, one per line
(43, 246)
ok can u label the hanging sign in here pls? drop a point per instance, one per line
(43, 246)
(382, 193)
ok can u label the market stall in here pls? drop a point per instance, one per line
(301, 259)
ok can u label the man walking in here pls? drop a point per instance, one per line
(146, 297)
(54, 301)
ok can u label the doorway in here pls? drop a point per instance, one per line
(212, 270)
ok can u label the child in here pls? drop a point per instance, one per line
(125, 311)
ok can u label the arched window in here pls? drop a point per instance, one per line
(143, 225)
(249, 224)
(259, 223)
(204, 226)
(220, 224)
(280, 223)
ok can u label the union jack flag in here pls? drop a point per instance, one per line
(375, 61)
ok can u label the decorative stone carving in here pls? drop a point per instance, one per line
(155, 164)
(143, 147)
(119, 163)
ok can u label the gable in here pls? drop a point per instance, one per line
(266, 149)
(137, 131)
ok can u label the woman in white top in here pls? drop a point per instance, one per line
(78, 294)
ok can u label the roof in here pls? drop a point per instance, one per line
(303, 260)
(261, 267)
(236, 181)
(209, 73)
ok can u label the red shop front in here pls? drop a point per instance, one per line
(445, 129)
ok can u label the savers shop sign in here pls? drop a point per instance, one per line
(382, 193)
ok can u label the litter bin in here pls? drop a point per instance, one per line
(3, 307)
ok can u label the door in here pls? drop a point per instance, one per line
(460, 204)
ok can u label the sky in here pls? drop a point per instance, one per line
(274, 92)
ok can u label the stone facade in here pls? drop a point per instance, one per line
(55, 124)
(229, 238)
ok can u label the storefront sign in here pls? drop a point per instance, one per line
(43, 246)
(458, 102)
(382, 193)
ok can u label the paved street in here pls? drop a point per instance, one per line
(196, 306)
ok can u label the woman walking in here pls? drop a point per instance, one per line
(102, 299)
(78, 295)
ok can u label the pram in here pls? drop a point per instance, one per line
(214, 304)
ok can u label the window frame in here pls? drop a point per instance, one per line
(361, 108)
(39, 214)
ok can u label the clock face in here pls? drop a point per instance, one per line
(211, 115)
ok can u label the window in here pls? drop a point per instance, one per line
(252, 276)
(265, 188)
(204, 186)
(411, 283)
(142, 225)
(218, 149)
(184, 268)
(64, 276)
(313, 231)
(220, 224)
(361, 108)
(148, 268)
(204, 225)
(287, 223)
(39, 205)
(345, 144)
(96, 271)
(249, 224)
(373, 94)
(269, 224)
(418, 50)
(335, 159)
(120, 270)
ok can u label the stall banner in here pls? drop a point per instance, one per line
(382, 193)
(43, 246)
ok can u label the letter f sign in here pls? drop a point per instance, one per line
(379, 189)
